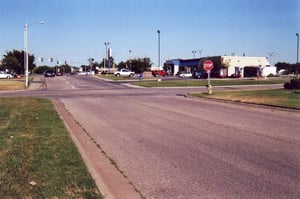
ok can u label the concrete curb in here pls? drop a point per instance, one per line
(111, 183)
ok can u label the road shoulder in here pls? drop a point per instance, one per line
(111, 183)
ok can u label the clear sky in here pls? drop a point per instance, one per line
(75, 30)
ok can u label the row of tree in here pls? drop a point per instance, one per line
(289, 68)
(137, 65)
(13, 61)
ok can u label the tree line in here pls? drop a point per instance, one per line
(13, 61)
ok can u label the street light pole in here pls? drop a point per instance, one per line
(130, 58)
(271, 57)
(106, 44)
(26, 56)
(158, 32)
(297, 52)
(194, 52)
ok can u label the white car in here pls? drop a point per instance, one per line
(4, 75)
(124, 72)
(185, 74)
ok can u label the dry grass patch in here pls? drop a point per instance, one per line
(12, 84)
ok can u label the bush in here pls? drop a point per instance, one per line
(287, 85)
(293, 84)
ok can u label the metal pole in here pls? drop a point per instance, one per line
(106, 44)
(130, 59)
(26, 51)
(158, 49)
(193, 54)
(26, 54)
(297, 52)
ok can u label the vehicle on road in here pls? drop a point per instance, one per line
(185, 74)
(124, 72)
(59, 74)
(199, 74)
(159, 73)
(49, 73)
(5, 75)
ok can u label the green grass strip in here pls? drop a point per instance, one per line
(37, 156)
(203, 82)
(274, 97)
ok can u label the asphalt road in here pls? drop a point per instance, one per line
(171, 146)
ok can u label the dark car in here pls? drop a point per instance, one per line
(199, 74)
(49, 73)
(159, 73)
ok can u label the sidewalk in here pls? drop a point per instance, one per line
(38, 83)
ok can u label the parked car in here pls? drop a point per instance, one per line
(5, 75)
(49, 73)
(199, 74)
(59, 74)
(185, 74)
(160, 73)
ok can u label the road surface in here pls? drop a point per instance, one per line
(171, 146)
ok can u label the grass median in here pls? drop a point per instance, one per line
(37, 156)
(276, 97)
(203, 82)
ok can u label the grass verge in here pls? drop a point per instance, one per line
(203, 82)
(276, 97)
(37, 156)
(12, 84)
(116, 78)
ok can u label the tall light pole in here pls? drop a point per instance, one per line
(297, 52)
(194, 52)
(270, 57)
(158, 32)
(200, 51)
(106, 44)
(130, 58)
(26, 52)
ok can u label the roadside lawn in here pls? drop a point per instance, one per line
(203, 82)
(12, 84)
(276, 97)
(37, 156)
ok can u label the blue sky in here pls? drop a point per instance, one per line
(76, 30)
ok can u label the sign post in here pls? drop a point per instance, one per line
(208, 65)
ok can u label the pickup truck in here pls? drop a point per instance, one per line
(124, 72)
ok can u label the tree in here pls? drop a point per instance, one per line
(290, 68)
(121, 65)
(138, 65)
(14, 62)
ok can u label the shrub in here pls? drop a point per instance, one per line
(287, 85)
(293, 84)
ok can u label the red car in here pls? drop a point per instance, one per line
(59, 74)
(159, 72)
